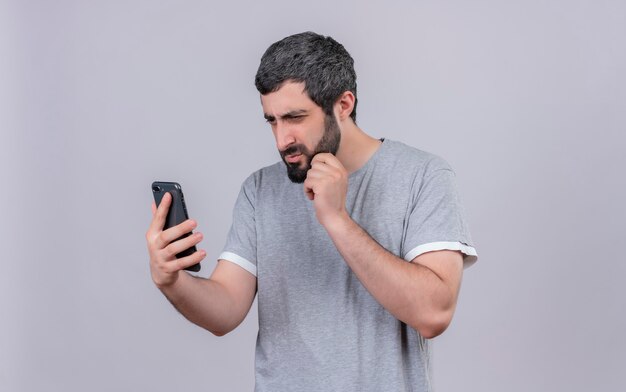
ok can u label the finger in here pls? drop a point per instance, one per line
(187, 261)
(161, 213)
(173, 233)
(321, 170)
(183, 244)
(328, 159)
(322, 157)
(316, 174)
(319, 165)
(153, 206)
(308, 189)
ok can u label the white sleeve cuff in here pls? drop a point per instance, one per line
(240, 261)
(469, 258)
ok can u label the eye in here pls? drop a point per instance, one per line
(296, 119)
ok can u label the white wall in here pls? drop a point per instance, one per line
(525, 99)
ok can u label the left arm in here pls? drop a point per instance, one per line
(422, 293)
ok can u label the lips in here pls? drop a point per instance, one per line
(293, 158)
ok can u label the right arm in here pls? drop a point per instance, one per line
(218, 304)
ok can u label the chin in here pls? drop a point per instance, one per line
(296, 179)
(295, 173)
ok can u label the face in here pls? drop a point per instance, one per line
(301, 128)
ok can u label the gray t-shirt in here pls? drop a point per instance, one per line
(319, 328)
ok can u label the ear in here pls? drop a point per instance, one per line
(344, 105)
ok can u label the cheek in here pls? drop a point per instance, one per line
(304, 136)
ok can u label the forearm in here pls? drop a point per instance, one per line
(204, 302)
(411, 292)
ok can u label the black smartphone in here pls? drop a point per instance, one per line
(177, 213)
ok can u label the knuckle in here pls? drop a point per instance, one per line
(170, 268)
(151, 239)
(176, 265)
(162, 238)
(169, 252)
(166, 268)
(162, 211)
(160, 267)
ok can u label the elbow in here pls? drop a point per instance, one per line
(433, 325)
(432, 331)
(223, 329)
(219, 332)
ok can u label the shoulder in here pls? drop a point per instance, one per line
(269, 175)
(422, 163)
(256, 182)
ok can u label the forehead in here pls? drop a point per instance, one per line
(289, 97)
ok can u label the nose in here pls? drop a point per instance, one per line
(284, 135)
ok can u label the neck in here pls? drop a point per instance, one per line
(356, 147)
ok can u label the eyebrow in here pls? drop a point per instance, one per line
(290, 114)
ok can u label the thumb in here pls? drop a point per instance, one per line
(309, 193)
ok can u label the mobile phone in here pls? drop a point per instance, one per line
(176, 214)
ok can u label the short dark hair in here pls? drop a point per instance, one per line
(322, 63)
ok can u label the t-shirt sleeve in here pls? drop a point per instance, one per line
(240, 245)
(437, 220)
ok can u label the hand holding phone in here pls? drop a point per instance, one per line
(171, 243)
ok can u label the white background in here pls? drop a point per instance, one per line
(525, 99)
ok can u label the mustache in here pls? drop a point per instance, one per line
(295, 149)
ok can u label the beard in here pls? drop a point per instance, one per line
(329, 143)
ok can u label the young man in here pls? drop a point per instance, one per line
(355, 245)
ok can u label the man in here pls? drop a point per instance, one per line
(355, 245)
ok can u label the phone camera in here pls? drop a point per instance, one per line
(156, 188)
